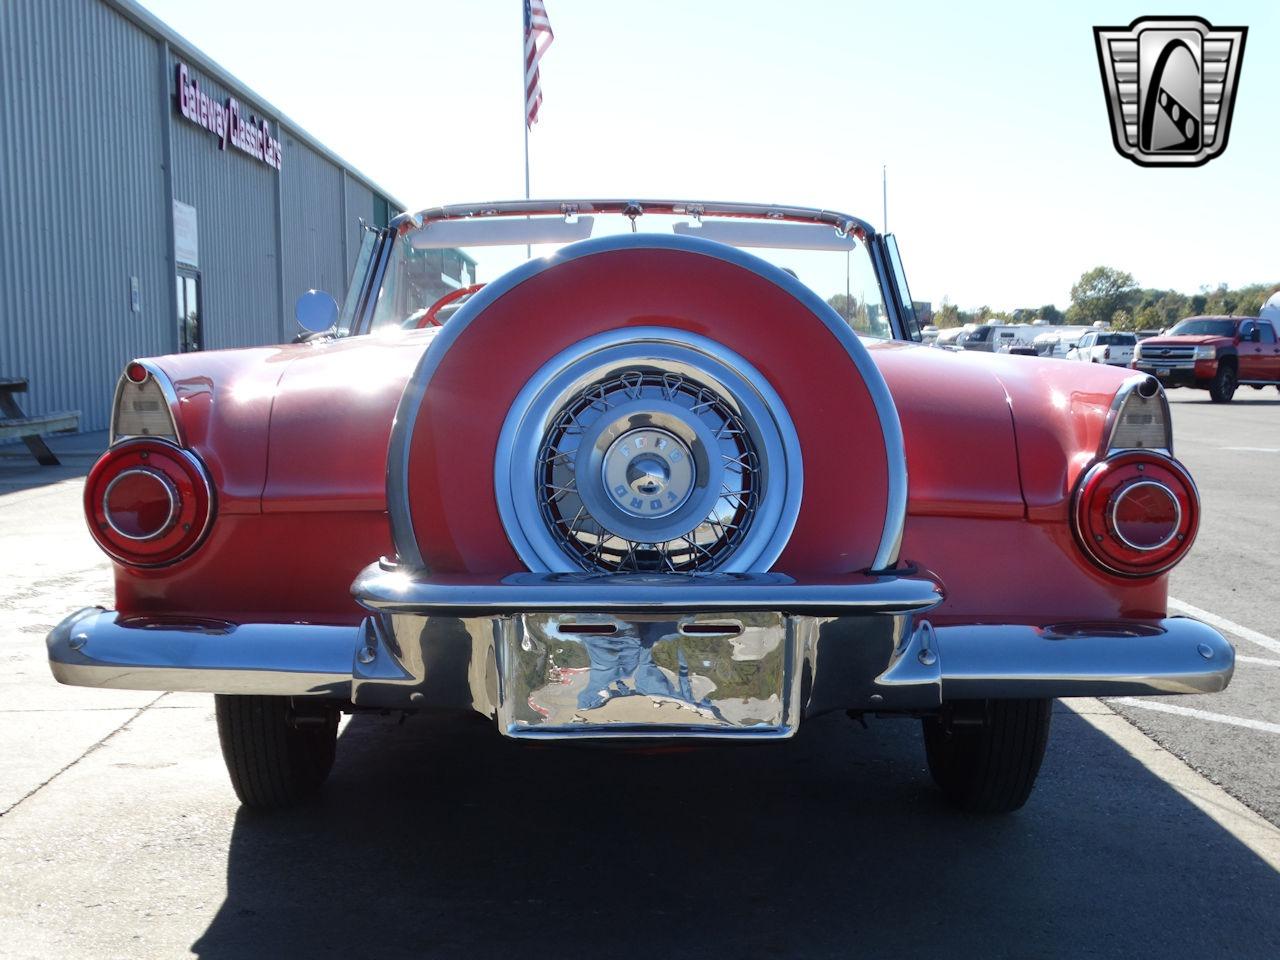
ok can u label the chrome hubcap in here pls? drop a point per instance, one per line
(649, 450)
(649, 473)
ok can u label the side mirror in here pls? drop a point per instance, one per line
(316, 311)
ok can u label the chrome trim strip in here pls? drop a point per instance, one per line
(1141, 381)
(170, 396)
(697, 209)
(411, 400)
(399, 591)
(1115, 503)
(98, 648)
(1172, 656)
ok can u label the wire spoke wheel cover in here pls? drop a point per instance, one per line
(648, 450)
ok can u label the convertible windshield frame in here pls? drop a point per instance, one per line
(635, 209)
(843, 224)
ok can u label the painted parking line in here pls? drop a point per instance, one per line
(1222, 623)
(1254, 449)
(1241, 658)
(1256, 833)
(1261, 725)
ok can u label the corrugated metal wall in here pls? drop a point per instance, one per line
(82, 202)
(86, 103)
(313, 197)
(235, 200)
(359, 207)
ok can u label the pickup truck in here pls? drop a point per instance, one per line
(1217, 354)
(1103, 346)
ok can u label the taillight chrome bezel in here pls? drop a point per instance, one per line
(1095, 502)
(192, 491)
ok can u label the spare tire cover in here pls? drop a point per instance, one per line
(447, 492)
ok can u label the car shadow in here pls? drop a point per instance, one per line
(438, 838)
(16, 476)
(77, 453)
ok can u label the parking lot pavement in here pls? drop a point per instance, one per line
(120, 837)
(1232, 574)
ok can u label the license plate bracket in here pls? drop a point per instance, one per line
(648, 675)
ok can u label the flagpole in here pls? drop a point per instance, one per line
(524, 103)
(884, 189)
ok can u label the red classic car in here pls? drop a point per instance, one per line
(644, 484)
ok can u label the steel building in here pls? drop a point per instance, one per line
(150, 203)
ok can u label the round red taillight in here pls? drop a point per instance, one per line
(1145, 515)
(140, 504)
(148, 502)
(136, 372)
(1136, 514)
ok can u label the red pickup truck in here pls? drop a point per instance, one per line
(1216, 354)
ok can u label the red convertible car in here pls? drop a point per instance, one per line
(684, 472)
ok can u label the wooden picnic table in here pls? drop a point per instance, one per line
(15, 423)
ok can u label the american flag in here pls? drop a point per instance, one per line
(537, 37)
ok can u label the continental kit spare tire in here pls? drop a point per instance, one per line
(646, 403)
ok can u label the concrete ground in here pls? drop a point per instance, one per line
(120, 837)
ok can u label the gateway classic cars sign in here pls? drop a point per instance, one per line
(247, 134)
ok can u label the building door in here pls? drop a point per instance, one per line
(190, 331)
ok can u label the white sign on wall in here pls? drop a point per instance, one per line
(186, 234)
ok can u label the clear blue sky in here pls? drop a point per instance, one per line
(1003, 183)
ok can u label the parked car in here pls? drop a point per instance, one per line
(999, 337)
(953, 338)
(647, 485)
(1103, 346)
(1058, 341)
(1213, 353)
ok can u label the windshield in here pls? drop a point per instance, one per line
(423, 270)
(1203, 327)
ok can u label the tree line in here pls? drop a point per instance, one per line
(1113, 296)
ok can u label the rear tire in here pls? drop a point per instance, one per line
(990, 764)
(1223, 386)
(274, 760)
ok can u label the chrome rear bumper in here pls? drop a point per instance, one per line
(99, 648)
(562, 655)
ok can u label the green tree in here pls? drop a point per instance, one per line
(1099, 293)
(1049, 314)
(946, 315)
(1124, 320)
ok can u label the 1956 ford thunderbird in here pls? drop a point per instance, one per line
(641, 484)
